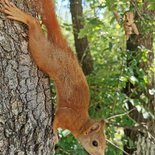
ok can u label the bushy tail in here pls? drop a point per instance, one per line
(48, 16)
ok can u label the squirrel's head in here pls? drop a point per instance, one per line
(92, 137)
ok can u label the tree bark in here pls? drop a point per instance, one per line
(25, 99)
(81, 45)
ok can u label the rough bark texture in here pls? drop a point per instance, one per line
(25, 99)
(81, 45)
(145, 146)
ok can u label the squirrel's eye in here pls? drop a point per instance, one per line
(95, 143)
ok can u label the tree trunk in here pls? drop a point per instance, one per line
(81, 45)
(144, 138)
(25, 99)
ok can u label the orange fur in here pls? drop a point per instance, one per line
(53, 56)
(47, 11)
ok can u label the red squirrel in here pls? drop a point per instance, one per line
(54, 57)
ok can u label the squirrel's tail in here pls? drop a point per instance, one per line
(49, 18)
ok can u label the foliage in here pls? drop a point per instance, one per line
(68, 145)
(111, 73)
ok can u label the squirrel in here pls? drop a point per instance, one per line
(53, 56)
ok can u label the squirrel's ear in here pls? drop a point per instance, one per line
(93, 128)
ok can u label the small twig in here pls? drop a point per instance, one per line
(151, 136)
(117, 147)
(119, 115)
(137, 9)
(117, 16)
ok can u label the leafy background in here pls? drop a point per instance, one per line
(108, 48)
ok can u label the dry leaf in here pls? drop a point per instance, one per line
(129, 25)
